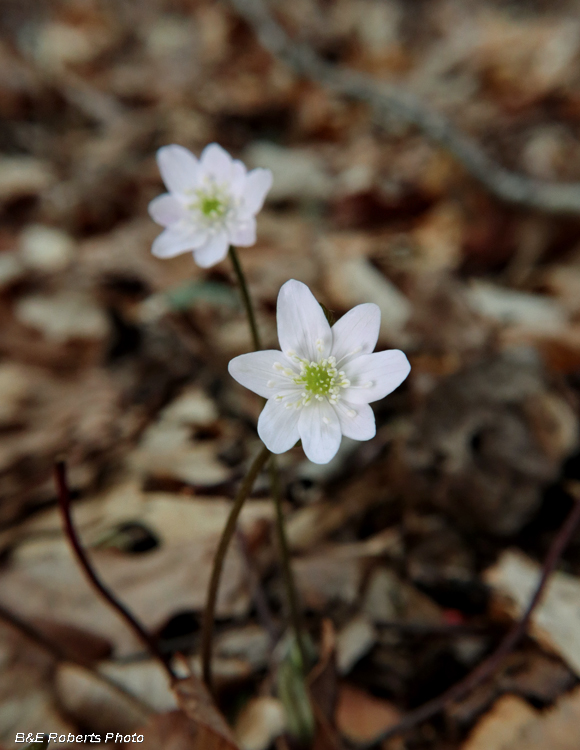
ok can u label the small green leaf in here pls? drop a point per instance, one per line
(184, 296)
(293, 693)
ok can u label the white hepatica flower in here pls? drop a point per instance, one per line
(211, 204)
(320, 385)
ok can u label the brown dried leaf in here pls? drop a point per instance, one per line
(361, 717)
(94, 703)
(502, 725)
(259, 723)
(556, 621)
(197, 704)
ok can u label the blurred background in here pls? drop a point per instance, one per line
(419, 546)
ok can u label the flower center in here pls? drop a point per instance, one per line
(320, 379)
(211, 203)
(211, 206)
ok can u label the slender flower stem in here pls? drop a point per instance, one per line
(247, 300)
(295, 613)
(80, 554)
(218, 563)
(274, 479)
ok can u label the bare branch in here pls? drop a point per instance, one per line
(490, 665)
(387, 100)
(82, 559)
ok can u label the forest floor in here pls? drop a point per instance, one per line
(415, 552)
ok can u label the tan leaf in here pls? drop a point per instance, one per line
(361, 717)
(97, 704)
(503, 724)
(260, 722)
(556, 621)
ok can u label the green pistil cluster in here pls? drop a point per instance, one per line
(211, 201)
(211, 206)
(320, 380)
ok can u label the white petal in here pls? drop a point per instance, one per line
(356, 332)
(238, 178)
(243, 233)
(302, 326)
(258, 182)
(216, 162)
(171, 243)
(358, 426)
(278, 426)
(256, 370)
(374, 376)
(179, 168)
(319, 431)
(166, 210)
(214, 251)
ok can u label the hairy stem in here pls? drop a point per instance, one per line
(295, 613)
(247, 300)
(274, 479)
(218, 563)
(82, 559)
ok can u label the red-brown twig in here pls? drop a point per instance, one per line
(33, 634)
(73, 538)
(487, 667)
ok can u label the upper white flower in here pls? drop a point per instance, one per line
(320, 385)
(211, 204)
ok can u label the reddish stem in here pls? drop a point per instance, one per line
(82, 559)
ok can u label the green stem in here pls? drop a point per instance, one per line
(246, 298)
(218, 563)
(295, 614)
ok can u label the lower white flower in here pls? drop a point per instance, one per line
(318, 388)
(211, 204)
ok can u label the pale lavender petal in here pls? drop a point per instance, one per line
(302, 326)
(179, 168)
(216, 162)
(243, 233)
(374, 376)
(256, 371)
(357, 421)
(278, 426)
(356, 332)
(166, 210)
(214, 251)
(171, 243)
(319, 430)
(258, 182)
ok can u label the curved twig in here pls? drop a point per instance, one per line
(386, 100)
(487, 667)
(73, 538)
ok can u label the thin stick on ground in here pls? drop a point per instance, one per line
(487, 667)
(388, 101)
(62, 655)
(218, 563)
(82, 559)
(33, 634)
